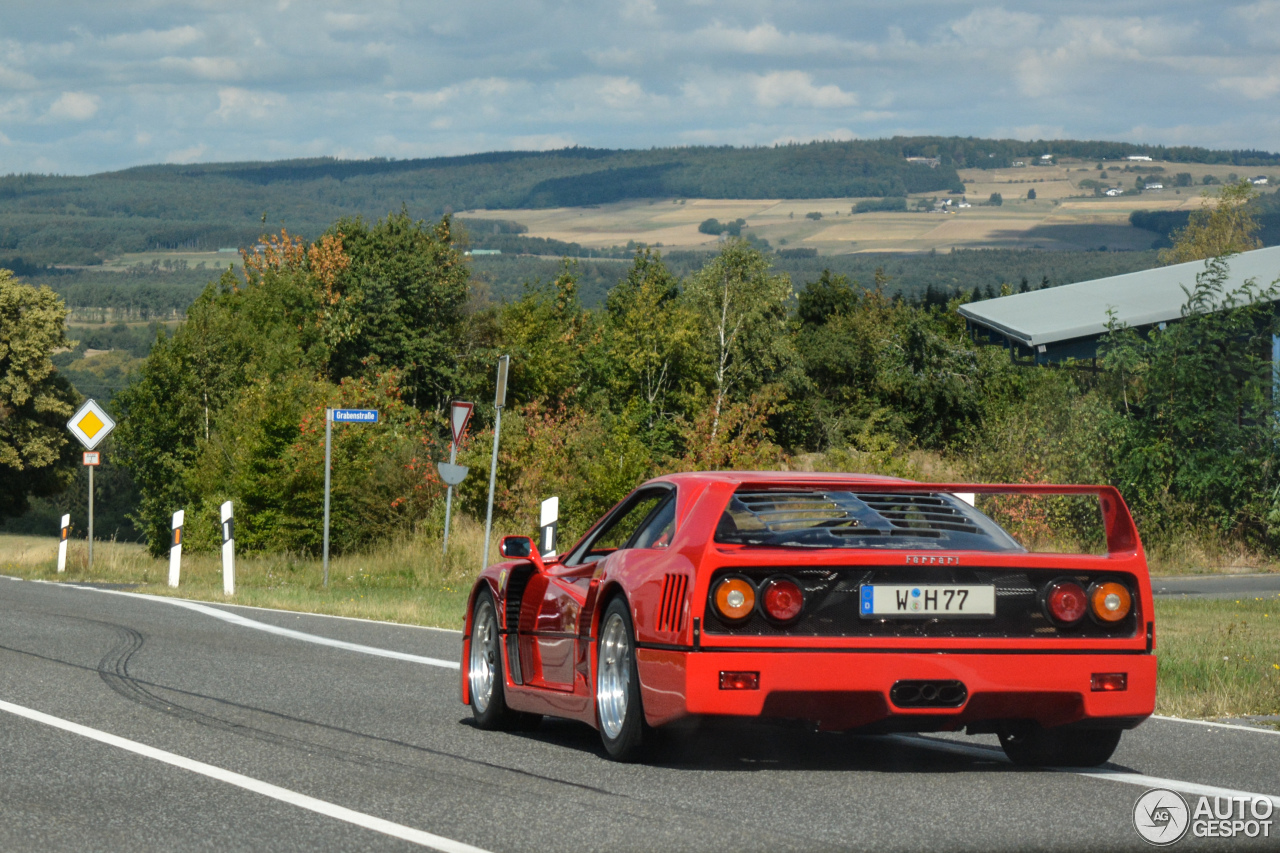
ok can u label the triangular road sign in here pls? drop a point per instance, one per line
(459, 416)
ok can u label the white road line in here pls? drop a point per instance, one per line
(266, 789)
(1212, 724)
(243, 622)
(1140, 779)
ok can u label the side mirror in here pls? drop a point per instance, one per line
(519, 548)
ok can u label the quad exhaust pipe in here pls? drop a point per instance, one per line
(929, 694)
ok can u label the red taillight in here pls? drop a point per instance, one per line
(1108, 682)
(739, 680)
(1066, 602)
(782, 600)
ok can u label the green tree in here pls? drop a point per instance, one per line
(36, 455)
(740, 307)
(1031, 195)
(1223, 225)
(403, 293)
(648, 343)
(548, 335)
(996, 199)
(1196, 440)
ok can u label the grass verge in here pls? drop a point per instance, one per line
(409, 581)
(1218, 657)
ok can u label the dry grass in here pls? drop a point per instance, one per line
(1218, 658)
(409, 581)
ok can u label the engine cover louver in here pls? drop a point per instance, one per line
(671, 612)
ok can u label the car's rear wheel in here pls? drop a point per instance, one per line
(618, 710)
(1031, 745)
(485, 680)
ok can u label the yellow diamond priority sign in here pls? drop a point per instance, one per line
(91, 424)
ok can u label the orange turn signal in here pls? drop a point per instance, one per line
(1110, 601)
(735, 598)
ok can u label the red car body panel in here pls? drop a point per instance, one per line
(836, 682)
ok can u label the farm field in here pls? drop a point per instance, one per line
(1065, 215)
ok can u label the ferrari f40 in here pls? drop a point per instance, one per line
(852, 602)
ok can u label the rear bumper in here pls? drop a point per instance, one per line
(845, 690)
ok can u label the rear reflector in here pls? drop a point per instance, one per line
(1105, 682)
(739, 680)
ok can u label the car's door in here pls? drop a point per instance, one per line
(562, 589)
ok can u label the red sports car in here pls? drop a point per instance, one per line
(851, 601)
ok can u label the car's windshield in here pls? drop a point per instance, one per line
(823, 518)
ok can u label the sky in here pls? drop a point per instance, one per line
(90, 86)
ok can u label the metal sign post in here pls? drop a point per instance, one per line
(90, 425)
(452, 473)
(499, 401)
(342, 416)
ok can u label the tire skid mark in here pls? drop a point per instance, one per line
(113, 669)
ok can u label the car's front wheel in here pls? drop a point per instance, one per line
(618, 711)
(485, 681)
(1031, 745)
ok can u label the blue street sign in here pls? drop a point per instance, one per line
(355, 416)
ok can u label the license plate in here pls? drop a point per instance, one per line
(931, 601)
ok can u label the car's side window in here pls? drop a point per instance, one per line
(617, 534)
(657, 532)
(621, 529)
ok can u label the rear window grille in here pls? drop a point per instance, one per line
(919, 512)
(857, 514)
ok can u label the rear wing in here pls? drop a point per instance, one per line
(1121, 533)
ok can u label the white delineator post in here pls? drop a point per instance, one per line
(62, 543)
(549, 523)
(175, 548)
(228, 551)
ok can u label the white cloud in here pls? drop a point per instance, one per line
(236, 104)
(153, 41)
(540, 142)
(767, 40)
(488, 87)
(74, 106)
(213, 68)
(187, 155)
(796, 88)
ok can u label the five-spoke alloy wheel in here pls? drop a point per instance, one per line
(618, 710)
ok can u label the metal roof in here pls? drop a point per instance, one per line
(1145, 298)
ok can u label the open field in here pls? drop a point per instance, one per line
(1064, 215)
(1218, 658)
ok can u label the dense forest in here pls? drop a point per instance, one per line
(49, 219)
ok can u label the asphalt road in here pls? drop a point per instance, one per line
(134, 723)
(1217, 586)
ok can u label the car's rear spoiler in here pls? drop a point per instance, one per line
(1121, 532)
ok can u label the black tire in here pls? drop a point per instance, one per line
(1033, 746)
(486, 678)
(619, 712)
